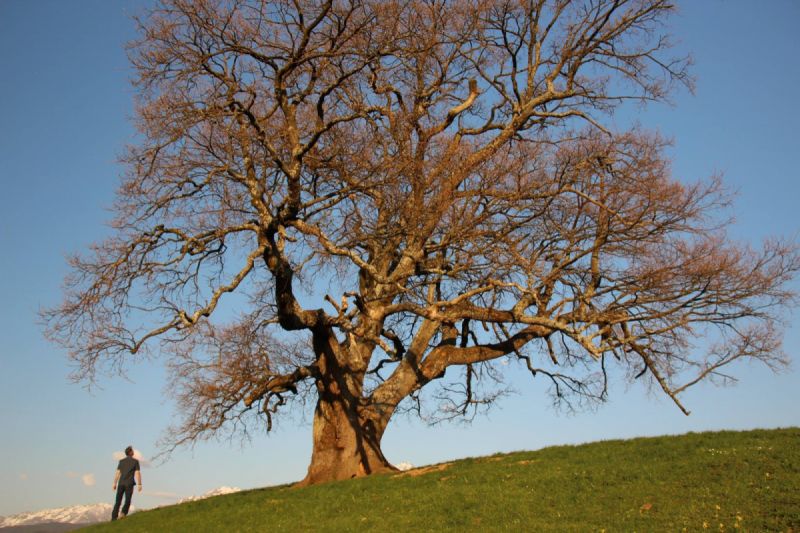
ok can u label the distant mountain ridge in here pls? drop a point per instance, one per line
(72, 517)
(215, 492)
(75, 514)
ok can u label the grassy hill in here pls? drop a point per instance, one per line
(724, 481)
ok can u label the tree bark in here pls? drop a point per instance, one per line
(347, 443)
(346, 432)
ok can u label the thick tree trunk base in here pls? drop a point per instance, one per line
(345, 446)
(346, 468)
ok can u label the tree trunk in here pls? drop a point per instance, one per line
(347, 433)
(347, 444)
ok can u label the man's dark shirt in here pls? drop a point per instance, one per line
(126, 468)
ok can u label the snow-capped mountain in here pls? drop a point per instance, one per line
(86, 514)
(215, 492)
(76, 514)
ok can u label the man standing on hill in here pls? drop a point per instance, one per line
(124, 482)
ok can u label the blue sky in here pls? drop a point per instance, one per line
(65, 103)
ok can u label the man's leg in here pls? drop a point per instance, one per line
(120, 492)
(128, 497)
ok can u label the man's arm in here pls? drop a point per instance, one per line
(139, 479)
(116, 478)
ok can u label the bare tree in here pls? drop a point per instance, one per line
(396, 189)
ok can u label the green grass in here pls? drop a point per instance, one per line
(724, 481)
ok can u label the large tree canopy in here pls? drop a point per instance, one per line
(406, 193)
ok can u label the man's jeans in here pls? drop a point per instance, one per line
(127, 490)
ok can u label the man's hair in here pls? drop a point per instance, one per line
(129, 451)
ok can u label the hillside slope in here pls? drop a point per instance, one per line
(722, 481)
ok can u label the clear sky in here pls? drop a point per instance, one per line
(64, 107)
